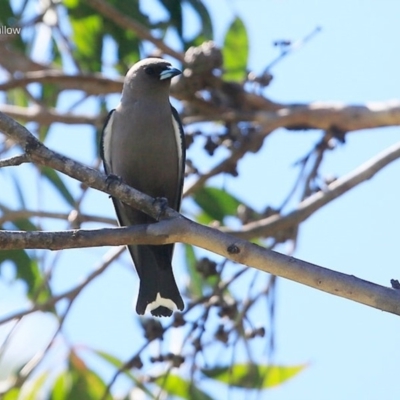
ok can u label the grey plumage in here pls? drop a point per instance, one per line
(143, 144)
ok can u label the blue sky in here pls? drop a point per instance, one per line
(352, 350)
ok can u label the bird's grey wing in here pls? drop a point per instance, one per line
(105, 142)
(125, 214)
(180, 137)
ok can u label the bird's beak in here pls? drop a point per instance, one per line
(168, 73)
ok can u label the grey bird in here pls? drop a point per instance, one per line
(143, 144)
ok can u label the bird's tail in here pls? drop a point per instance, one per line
(158, 291)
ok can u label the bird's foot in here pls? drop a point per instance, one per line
(112, 179)
(161, 204)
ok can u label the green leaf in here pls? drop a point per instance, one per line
(19, 191)
(24, 224)
(43, 131)
(56, 57)
(48, 96)
(235, 51)
(35, 388)
(71, 4)
(128, 45)
(55, 179)
(13, 394)
(174, 385)
(196, 283)
(175, 12)
(29, 272)
(127, 41)
(216, 203)
(204, 219)
(17, 97)
(78, 382)
(206, 24)
(88, 39)
(118, 364)
(61, 387)
(26, 267)
(8, 18)
(251, 376)
(196, 41)
(86, 383)
(21, 224)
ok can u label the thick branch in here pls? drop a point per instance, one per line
(326, 116)
(183, 230)
(180, 229)
(320, 115)
(40, 154)
(268, 114)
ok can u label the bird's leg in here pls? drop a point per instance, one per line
(161, 204)
(113, 179)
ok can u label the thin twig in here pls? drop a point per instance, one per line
(226, 164)
(47, 116)
(91, 84)
(107, 259)
(269, 226)
(292, 47)
(13, 215)
(14, 161)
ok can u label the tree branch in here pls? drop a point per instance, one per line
(91, 84)
(178, 228)
(37, 152)
(47, 116)
(229, 163)
(14, 60)
(70, 294)
(326, 116)
(268, 114)
(123, 21)
(13, 215)
(339, 118)
(14, 161)
(269, 226)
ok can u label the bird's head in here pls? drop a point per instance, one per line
(150, 74)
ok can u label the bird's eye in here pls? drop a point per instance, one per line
(150, 71)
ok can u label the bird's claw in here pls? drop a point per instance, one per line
(161, 203)
(111, 179)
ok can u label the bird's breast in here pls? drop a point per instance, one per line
(146, 155)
